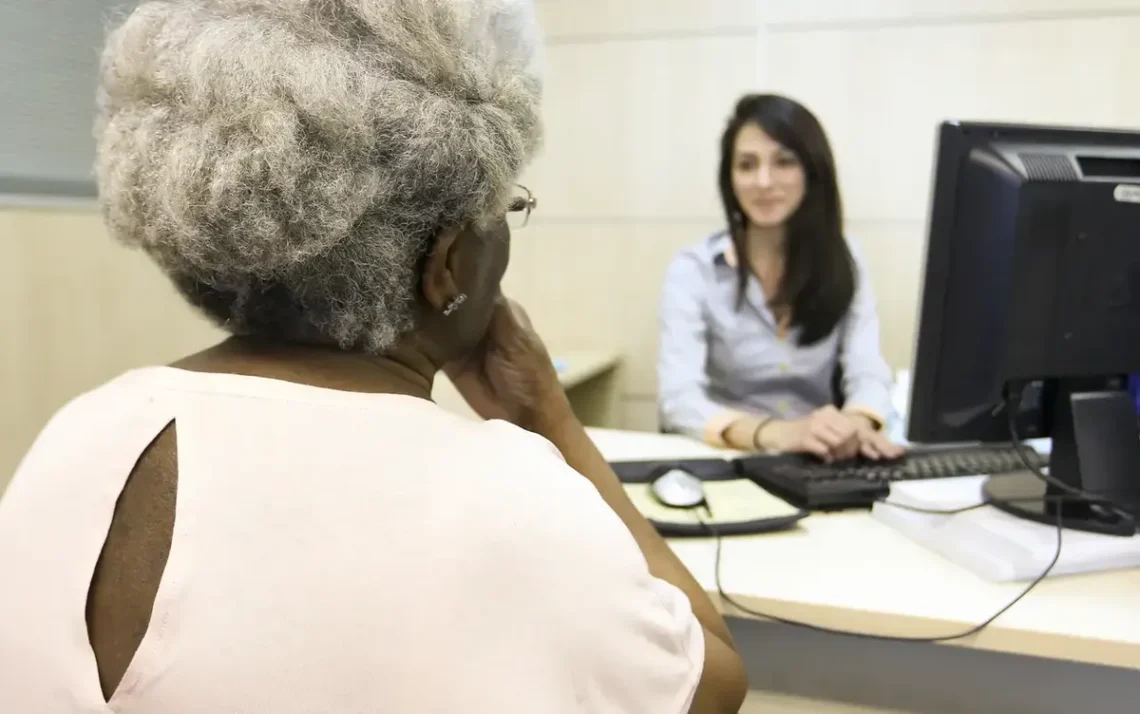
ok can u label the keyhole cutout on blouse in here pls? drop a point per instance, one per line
(120, 601)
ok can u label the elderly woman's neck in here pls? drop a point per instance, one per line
(404, 370)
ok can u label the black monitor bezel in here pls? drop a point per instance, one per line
(955, 140)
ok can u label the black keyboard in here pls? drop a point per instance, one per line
(809, 483)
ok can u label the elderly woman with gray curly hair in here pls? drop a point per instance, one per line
(285, 522)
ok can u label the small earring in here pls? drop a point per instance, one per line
(454, 304)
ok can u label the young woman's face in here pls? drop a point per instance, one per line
(767, 178)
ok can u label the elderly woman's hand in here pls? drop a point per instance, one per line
(510, 375)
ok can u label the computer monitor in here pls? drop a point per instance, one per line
(1031, 310)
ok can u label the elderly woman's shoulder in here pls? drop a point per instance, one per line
(524, 465)
(528, 494)
(500, 445)
(88, 422)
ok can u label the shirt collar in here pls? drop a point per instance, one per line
(724, 249)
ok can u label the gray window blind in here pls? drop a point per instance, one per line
(49, 60)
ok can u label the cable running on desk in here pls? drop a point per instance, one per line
(1071, 495)
(1013, 405)
(889, 638)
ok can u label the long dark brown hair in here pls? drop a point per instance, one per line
(819, 272)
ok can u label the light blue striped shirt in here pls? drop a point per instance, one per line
(716, 361)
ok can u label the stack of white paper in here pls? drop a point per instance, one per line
(993, 544)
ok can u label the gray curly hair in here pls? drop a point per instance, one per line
(288, 162)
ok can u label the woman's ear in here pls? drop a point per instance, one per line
(439, 283)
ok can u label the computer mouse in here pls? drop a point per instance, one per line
(678, 488)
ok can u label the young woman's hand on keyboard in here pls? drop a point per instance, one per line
(825, 433)
(873, 443)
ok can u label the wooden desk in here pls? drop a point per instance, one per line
(850, 572)
(588, 376)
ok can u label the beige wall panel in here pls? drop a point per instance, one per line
(575, 19)
(881, 92)
(632, 128)
(639, 414)
(598, 285)
(894, 251)
(78, 309)
(777, 12)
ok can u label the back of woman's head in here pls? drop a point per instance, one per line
(819, 273)
(288, 162)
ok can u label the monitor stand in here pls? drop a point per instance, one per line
(1096, 448)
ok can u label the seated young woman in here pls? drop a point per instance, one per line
(769, 336)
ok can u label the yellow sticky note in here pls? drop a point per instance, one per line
(735, 501)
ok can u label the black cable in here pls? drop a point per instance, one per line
(1013, 406)
(974, 507)
(932, 512)
(1072, 495)
(888, 638)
